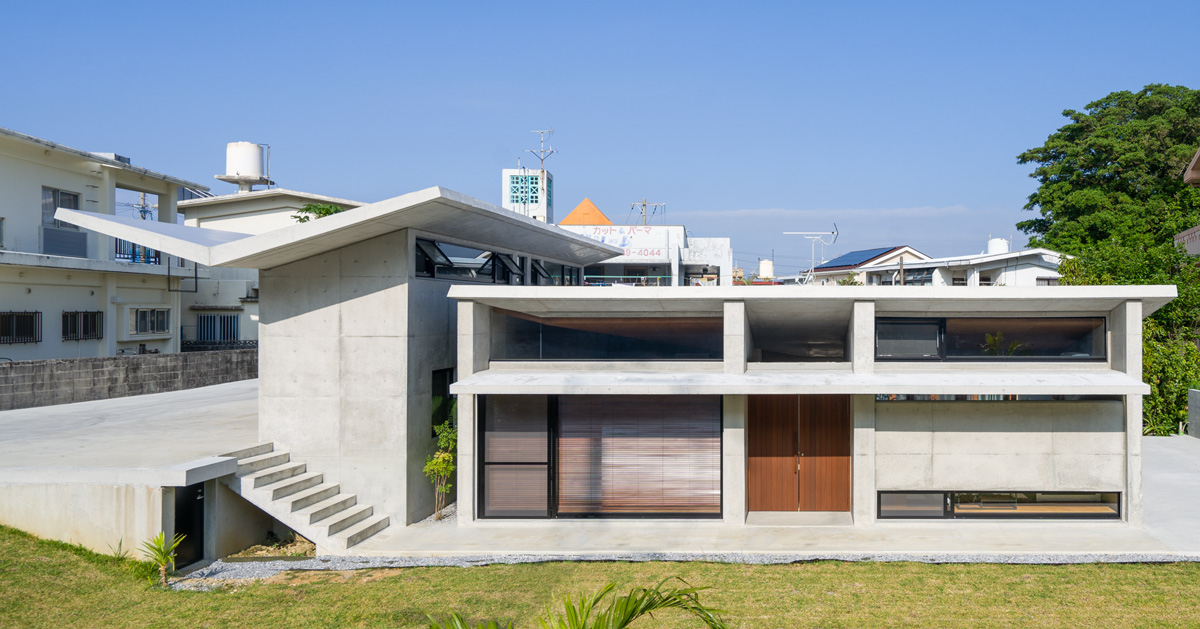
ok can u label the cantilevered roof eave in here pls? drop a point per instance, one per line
(435, 211)
(915, 382)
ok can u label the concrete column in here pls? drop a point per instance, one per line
(862, 337)
(1133, 460)
(733, 460)
(466, 459)
(674, 266)
(474, 338)
(738, 344)
(112, 315)
(100, 247)
(168, 204)
(863, 465)
(1125, 338)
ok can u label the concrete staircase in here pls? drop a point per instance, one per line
(301, 499)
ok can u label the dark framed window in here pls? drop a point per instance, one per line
(217, 327)
(518, 336)
(20, 327)
(1002, 505)
(599, 456)
(448, 261)
(81, 326)
(442, 404)
(149, 321)
(52, 199)
(991, 338)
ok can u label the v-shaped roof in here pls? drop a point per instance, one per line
(586, 213)
(433, 210)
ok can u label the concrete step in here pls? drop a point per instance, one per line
(275, 474)
(294, 484)
(348, 518)
(259, 462)
(329, 507)
(364, 529)
(312, 496)
(261, 448)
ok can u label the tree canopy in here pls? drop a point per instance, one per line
(317, 210)
(1111, 193)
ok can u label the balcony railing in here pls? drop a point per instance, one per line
(627, 280)
(125, 251)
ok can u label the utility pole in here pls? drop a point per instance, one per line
(653, 207)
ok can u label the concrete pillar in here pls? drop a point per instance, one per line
(862, 337)
(466, 459)
(738, 343)
(1133, 460)
(112, 314)
(474, 354)
(474, 338)
(100, 247)
(863, 464)
(733, 460)
(168, 204)
(1125, 338)
(674, 266)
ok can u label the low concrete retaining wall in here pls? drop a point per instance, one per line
(1193, 427)
(30, 383)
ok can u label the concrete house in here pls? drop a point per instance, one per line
(801, 405)
(69, 293)
(997, 266)
(357, 345)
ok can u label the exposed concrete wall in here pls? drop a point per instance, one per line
(96, 516)
(733, 459)
(27, 384)
(1000, 446)
(862, 337)
(334, 329)
(737, 340)
(231, 524)
(863, 460)
(1193, 427)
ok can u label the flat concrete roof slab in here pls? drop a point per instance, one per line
(141, 439)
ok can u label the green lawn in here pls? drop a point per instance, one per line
(52, 584)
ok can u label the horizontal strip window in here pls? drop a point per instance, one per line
(1003, 505)
(20, 327)
(988, 397)
(991, 338)
(551, 274)
(82, 326)
(519, 336)
(456, 262)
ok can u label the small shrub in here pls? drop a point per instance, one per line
(162, 554)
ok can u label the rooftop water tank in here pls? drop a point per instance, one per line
(244, 159)
(766, 269)
(997, 245)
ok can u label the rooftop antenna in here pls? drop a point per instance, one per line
(653, 207)
(813, 239)
(544, 152)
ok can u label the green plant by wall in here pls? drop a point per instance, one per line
(1170, 365)
(161, 553)
(440, 466)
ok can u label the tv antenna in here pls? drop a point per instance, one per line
(653, 208)
(813, 239)
(544, 152)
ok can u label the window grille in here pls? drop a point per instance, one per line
(81, 326)
(20, 327)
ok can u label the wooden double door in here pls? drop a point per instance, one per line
(798, 452)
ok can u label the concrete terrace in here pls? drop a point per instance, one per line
(123, 439)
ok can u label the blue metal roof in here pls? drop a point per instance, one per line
(855, 258)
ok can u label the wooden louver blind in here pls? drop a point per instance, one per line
(639, 454)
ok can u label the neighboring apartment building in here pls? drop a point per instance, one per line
(222, 312)
(66, 292)
(654, 255)
(1190, 239)
(800, 405)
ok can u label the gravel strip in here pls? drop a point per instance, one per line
(221, 572)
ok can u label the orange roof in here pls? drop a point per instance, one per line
(586, 213)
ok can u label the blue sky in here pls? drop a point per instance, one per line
(898, 121)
